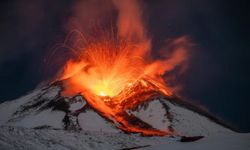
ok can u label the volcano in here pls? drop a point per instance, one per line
(155, 114)
(44, 119)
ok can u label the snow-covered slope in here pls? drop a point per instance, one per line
(45, 107)
(169, 115)
(47, 139)
(43, 119)
(17, 138)
(154, 114)
(29, 111)
(91, 121)
(228, 141)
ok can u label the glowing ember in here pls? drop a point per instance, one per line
(102, 93)
(112, 68)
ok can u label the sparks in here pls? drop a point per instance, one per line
(113, 67)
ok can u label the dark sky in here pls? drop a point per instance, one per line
(218, 76)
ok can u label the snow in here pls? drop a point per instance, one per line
(154, 115)
(189, 123)
(92, 121)
(77, 105)
(51, 92)
(22, 139)
(184, 121)
(229, 141)
(9, 107)
(44, 118)
(33, 117)
(18, 127)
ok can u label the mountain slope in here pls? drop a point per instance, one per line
(43, 119)
(40, 139)
(46, 108)
(168, 115)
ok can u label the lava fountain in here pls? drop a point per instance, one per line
(111, 70)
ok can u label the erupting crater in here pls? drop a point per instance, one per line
(114, 69)
(116, 75)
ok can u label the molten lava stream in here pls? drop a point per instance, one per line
(119, 116)
(126, 126)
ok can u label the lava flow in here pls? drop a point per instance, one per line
(111, 70)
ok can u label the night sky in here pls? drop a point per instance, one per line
(218, 76)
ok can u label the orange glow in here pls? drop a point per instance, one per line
(106, 67)
(108, 71)
(114, 68)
